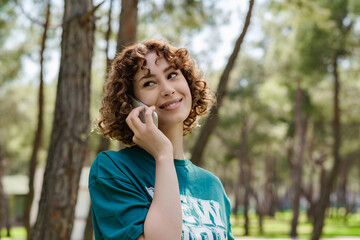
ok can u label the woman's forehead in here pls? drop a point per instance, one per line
(152, 58)
(151, 63)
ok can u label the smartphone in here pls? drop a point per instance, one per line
(137, 103)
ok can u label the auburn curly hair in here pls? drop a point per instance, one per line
(118, 89)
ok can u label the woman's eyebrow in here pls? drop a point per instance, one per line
(149, 75)
(168, 68)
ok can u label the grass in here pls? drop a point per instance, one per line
(15, 232)
(279, 226)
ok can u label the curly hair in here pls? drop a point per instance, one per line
(118, 89)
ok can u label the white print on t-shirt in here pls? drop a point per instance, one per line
(150, 191)
(201, 218)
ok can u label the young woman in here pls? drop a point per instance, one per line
(149, 190)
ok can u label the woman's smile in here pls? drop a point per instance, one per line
(171, 105)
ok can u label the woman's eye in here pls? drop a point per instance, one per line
(172, 75)
(150, 83)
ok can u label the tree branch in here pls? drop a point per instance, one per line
(89, 14)
(83, 17)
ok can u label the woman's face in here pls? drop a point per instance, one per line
(165, 88)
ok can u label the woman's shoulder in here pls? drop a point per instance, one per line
(112, 164)
(203, 184)
(203, 171)
(204, 174)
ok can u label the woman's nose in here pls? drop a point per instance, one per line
(167, 89)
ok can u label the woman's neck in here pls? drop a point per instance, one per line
(175, 135)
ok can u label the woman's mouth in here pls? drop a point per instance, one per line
(170, 105)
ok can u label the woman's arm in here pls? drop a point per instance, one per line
(164, 218)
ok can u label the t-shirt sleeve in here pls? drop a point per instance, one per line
(118, 207)
(228, 213)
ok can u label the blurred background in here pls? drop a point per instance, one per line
(283, 136)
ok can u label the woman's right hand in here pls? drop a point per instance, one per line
(164, 217)
(147, 135)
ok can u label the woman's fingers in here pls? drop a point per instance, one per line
(143, 132)
(149, 116)
(133, 119)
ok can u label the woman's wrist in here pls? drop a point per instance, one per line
(164, 158)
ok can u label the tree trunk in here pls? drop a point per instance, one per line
(69, 136)
(298, 158)
(245, 171)
(270, 195)
(236, 205)
(246, 213)
(2, 193)
(348, 162)
(330, 181)
(4, 207)
(343, 188)
(104, 142)
(89, 228)
(308, 191)
(126, 36)
(7, 217)
(211, 122)
(107, 39)
(38, 136)
(237, 191)
(260, 213)
(128, 24)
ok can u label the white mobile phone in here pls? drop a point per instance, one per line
(137, 103)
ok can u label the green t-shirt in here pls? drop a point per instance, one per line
(121, 186)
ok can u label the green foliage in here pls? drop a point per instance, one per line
(174, 20)
(10, 60)
(16, 125)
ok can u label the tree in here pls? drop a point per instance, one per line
(39, 130)
(319, 41)
(2, 193)
(68, 144)
(126, 36)
(245, 168)
(297, 158)
(4, 207)
(211, 122)
(128, 24)
(339, 12)
(241, 119)
(297, 65)
(305, 67)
